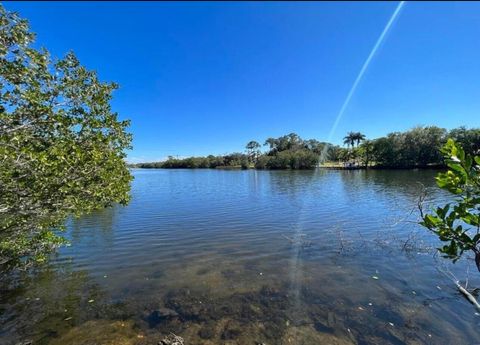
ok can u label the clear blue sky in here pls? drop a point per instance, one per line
(200, 78)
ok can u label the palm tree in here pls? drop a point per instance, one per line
(349, 139)
(358, 137)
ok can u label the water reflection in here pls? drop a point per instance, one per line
(42, 306)
(96, 226)
(245, 257)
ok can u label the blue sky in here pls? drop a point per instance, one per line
(201, 78)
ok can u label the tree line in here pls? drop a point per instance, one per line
(285, 152)
(417, 147)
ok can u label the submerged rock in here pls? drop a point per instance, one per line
(160, 315)
(171, 339)
(235, 319)
(166, 312)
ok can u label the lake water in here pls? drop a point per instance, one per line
(249, 257)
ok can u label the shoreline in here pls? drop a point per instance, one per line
(423, 167)
(332, 167)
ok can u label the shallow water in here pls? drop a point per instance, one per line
(248, 257)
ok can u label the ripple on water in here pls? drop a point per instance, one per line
(245, 257)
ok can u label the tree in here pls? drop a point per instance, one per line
(62, 148)
(419, 146)
(253, 150)
(469, 139)
(358, 137)
(349, 139)
(263, 162)
(336, 153)
(366, 152)
(458, 222)
(272, 143)
(294, 142)
(235, 159)
(315, 145)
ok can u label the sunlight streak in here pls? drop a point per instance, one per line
(360, 75)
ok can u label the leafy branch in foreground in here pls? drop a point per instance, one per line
(458, 222)
(61, 146)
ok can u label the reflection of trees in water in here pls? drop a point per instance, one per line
(294, 183)
(328, 309)
(352, 182)
(392, 194)
(35, 305)
(96, 226)
(404, 182)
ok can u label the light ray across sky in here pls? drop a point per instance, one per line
(364, 68)
(207, 77)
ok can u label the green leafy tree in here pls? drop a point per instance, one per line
(263, 162)
(316, 146)
(418, 147)
(366, 150)
(272, 144)
(469, 139)
(253, 150)
(386, 150)
(62, 148)
(421, 146)
(458, 222)
(335, 153)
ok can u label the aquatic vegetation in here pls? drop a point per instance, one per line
(101, 332)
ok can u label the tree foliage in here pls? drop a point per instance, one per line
(290, 152)
(353, 138)
(289, 159)
(253, 150)
(286, 152)
(458, 222)
(418, 147)
(235, 159)
(290, 141)
(469, 139)
(349, 139)
(61, 145)
(366, 152)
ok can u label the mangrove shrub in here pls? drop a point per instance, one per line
(61, 145)
(458, 222)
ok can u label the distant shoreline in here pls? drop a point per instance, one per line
(417, 148)
(428, 167)
(330, 167)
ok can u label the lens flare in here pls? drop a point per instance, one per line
(360, 76)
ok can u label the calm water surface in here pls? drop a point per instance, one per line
(248, 257)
